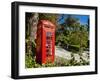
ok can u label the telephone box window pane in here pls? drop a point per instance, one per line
(48, 43)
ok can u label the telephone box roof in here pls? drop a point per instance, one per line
(47, 22)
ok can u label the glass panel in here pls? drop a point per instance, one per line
(48, 43)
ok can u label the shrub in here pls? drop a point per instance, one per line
(73, 48)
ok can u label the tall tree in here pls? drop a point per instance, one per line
(48, 16)
(73, 33)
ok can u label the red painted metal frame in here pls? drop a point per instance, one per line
(45, 26)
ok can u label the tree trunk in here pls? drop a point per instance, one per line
(33, 26)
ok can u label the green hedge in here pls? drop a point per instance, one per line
(73, 48)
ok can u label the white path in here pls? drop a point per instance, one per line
(62, 53)
(67, 55)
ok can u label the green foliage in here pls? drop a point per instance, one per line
(70, 21)
(47, 16)
(72, 33)
(59, 61)
(29, 61)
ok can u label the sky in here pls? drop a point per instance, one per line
(82, 18)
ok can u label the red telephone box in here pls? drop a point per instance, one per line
(45, 50)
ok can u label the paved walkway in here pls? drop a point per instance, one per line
(62, 53)
(67, 55)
